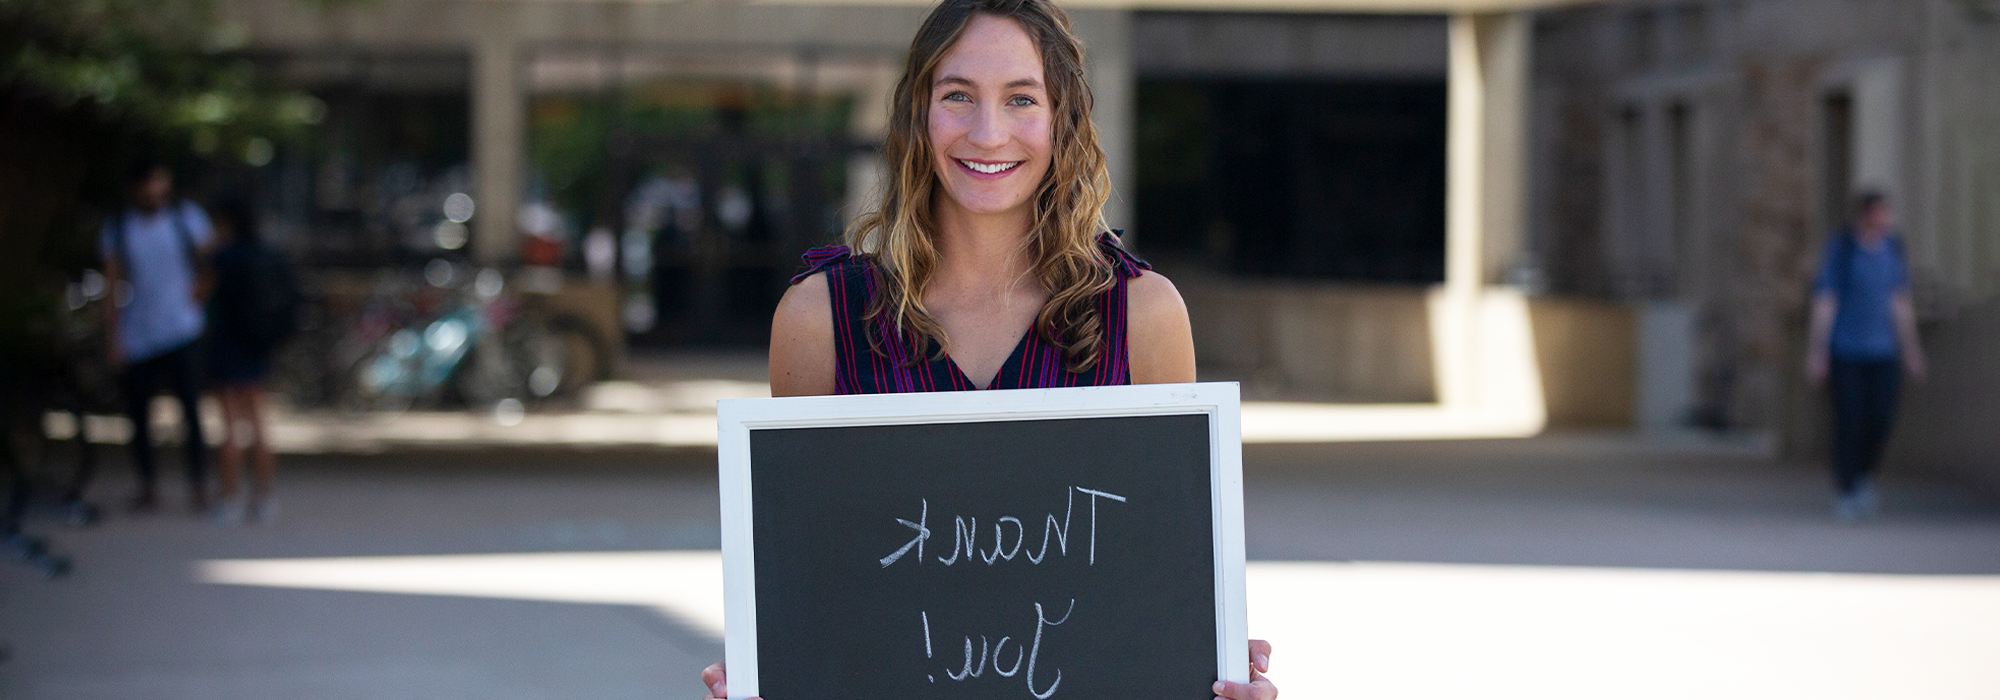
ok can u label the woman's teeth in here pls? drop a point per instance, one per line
(989, 168)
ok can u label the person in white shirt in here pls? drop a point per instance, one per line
(152, 256)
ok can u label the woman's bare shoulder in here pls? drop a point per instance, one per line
(807, 297)
(1159, 340)
(1153, 297)
(802, 362)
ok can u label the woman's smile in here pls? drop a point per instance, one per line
(988, 169)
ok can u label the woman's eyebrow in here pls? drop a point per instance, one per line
(1016, 83)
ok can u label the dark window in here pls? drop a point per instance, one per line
(1340, 180)
(1837, 126)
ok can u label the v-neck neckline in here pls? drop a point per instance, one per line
(1020, 348)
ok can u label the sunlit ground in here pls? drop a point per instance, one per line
(622, 413)
(1396, 630)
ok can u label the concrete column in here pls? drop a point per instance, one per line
(1486, 184)
(1487, 142)
(1107, 44)
(499, 136)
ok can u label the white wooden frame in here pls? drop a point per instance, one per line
(1219, 401)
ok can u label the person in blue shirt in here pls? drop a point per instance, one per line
(1863, 339)
(152, 253)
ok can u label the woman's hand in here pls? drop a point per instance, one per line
(1916, 366)
(717, 681)
(1259, 687)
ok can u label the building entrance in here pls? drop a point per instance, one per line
(699, 194)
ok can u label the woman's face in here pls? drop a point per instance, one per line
(990, 125)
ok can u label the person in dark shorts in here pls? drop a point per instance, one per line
(1863, 339)
(249, 316)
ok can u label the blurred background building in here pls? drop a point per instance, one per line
(1394, 221)
(1682, 161)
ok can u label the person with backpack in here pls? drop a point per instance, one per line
(152, 254)
(1863, 339)
(252, 312)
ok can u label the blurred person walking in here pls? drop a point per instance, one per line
(152, 252)
(1863, 339)
(253, 311)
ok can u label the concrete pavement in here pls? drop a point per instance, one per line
(1564, 566)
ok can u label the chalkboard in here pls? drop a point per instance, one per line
(1032, 544)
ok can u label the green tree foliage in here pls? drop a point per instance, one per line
(167, 69)
(86, 85)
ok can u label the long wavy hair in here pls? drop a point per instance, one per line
(1069, 204)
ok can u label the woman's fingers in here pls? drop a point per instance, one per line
(716, 680)
(1259, 688)
(1260, 655)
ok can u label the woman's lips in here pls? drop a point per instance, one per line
(987, 170)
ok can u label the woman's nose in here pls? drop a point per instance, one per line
(989, 128)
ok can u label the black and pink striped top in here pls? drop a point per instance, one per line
(1034, 364)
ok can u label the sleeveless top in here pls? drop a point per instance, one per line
(1035, 363)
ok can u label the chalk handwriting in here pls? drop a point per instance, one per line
(963, 536)
(1093, 517)
(974, 665)
(1000, 536)
(1036, 652)
(966, 534)
(1009, 541)
(922, 526)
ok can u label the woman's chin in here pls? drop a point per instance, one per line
(976, 204)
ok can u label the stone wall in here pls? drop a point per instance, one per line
(1318, 342)
(1355, 344)
(1763, 304)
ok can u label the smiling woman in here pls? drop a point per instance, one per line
(987, 263)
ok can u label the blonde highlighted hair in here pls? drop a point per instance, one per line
(1068, 205)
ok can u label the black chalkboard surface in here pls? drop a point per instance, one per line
(1010, 554)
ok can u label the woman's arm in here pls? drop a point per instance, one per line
(1159, 343)
(1819, 335)
(114, 275)
(1905, 313)
(801, 365)
(1161, 347)
(802, 341)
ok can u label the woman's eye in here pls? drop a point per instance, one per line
(1022, 101)
(958, 97)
